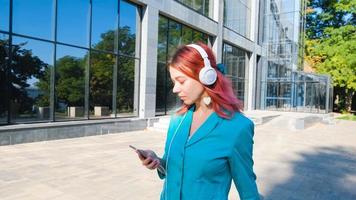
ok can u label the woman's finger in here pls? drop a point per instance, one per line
(157, 164)
(147, 161)
(152, 165)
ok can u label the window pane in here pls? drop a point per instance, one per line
(101, 84)
(33, 18)
(70, 85)
(187, 35)
(235, 61)
(73, 20)
(127, 86)
(174, 37)
(198, 37)
(4, 15)
(173, 101)
(104, 19)
(162, 39)
(127, 29)
(160, 89)
(237, 16)
(31, 76)
(201, 6)
(4, 49)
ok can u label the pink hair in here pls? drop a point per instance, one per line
(189, 61)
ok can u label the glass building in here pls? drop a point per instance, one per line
(63, 60)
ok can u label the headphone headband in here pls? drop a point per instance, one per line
(202, 53)
(207, 74)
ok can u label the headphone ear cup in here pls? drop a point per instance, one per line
(207, 75)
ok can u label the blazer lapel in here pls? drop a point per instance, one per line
(183, 131)
(210, 123)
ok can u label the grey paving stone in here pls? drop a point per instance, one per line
(317, 163)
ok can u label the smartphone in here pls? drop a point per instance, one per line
(144, 155)
(141, 152)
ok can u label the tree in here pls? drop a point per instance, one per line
(70, 80)
(70, 74)
(101, 80)
(24, 66)
(331, 43)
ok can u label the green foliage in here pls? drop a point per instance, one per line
(336, 54)
(70, 80)
(24, 66)
(70, 74)
(348, 117)
(331, 42)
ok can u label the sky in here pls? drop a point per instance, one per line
(35, 18)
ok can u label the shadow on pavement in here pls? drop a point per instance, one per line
(327, 174)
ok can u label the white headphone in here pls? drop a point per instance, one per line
(207, 74)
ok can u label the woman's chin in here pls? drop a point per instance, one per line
(187, 102)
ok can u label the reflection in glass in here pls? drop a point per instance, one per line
(127, 74)
(69, 84)
(199, 37)
(127, 29)
(237, 16)
(187, 35)
(101, 84)
(73, 22)
(162, 39)
(161, 88)
(235, 63)
(4, 15)
(172, 100)
(201, 6)
(30, 75)
(171, 35)
(33, 18)
(4, 49)
(174, 37)
(300, 96)
(104, 24)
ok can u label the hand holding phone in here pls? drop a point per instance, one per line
(144, 155)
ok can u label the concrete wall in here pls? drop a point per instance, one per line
(25, 133)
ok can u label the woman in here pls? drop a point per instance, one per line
(209, 141)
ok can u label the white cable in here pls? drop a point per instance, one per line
(167, 158)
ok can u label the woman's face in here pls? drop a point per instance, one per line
(187, 89)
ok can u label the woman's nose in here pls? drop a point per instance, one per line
(176, 88)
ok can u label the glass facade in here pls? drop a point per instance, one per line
(31, 68)
(4, 83)
(69, 61)
(33, 19)
(281, 85)
(236, 62)
(4, 15)
(237, 16)
(81, 60)
(201, 6)
(171, 35)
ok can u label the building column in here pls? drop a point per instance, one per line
(251, 88)
(148, 66)
(218, 15)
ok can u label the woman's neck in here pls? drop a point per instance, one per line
(201, 107)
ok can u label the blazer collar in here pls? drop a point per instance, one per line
(204, 129)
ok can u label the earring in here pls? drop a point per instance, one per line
(207, 100)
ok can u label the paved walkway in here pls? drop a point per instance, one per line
(317, 163)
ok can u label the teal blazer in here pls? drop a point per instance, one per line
(202, 167)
